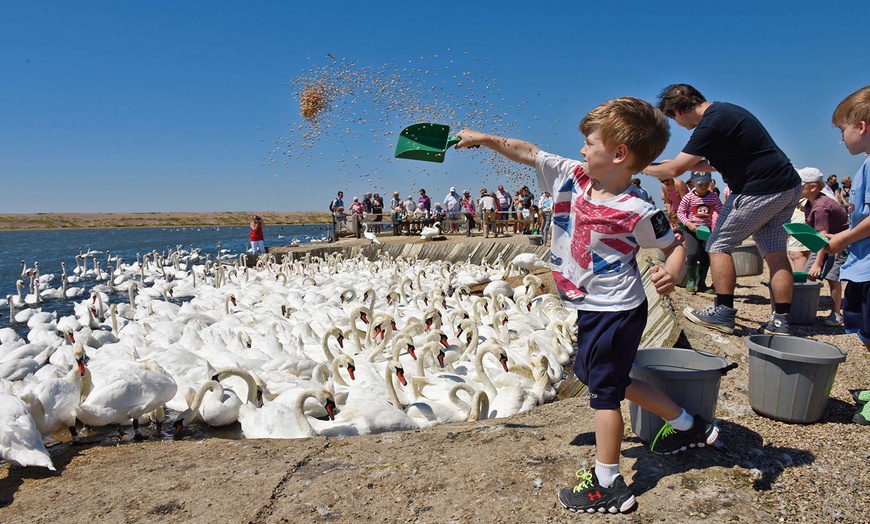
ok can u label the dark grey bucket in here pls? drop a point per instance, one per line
(689, 377)
(790, 378)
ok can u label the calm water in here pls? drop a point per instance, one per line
(50, 248)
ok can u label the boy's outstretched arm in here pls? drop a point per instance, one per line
(676, 167)
(664, 279)
(512, 148)
(841, 241)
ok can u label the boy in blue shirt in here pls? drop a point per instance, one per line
(600, 222)
(852, 117)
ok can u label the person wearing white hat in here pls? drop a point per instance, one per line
(811, 175)
(828, 217)
(454, 208)
(410, 206)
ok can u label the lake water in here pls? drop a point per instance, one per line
(52, 247)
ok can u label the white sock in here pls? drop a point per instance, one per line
(606, 473)
(684, 422)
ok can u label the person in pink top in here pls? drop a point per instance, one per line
(673, 190)
(696, 209)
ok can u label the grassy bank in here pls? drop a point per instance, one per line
(216, 218)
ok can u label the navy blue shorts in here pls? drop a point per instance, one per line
(607, 343)
(856, 309)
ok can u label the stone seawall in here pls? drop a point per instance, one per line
(475, 252)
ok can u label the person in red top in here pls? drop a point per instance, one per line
(256, 237)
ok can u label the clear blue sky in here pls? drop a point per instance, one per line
(190, 106)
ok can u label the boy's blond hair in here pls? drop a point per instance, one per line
(637, 124)
(853, 109)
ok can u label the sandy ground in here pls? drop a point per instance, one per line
(217, 218)
(505, 470)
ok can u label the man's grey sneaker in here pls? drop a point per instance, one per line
(834, 319)
(670, 441)
(590, 497)
(719, 317)
(861, 396)
(777, 325)
(862, 416)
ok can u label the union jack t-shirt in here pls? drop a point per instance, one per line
(595, 242)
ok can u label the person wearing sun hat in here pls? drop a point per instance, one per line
(828, 217)
(396, 201)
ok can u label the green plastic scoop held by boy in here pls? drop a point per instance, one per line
(806, 235)
(426, 141)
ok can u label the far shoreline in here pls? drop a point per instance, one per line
(58, 221)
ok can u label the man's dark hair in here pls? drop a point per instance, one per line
(679, 98)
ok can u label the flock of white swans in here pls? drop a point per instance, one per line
(313, 346)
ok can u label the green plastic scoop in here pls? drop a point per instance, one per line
(806, 235)
(703, 233)
(425, 141)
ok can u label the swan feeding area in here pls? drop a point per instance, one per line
(313, 346)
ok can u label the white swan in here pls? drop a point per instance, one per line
(428, 233)
(127, 395)
(276, 420)
(371, 405)
(373, 239)
(216, 415)
(20, 440)
(53, 402)
(529, 262)
(448, 407)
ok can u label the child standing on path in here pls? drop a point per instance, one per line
(599, 224)
(825, 215)
(696, 209)
(852, 117)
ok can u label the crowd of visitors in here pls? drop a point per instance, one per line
(497, 212)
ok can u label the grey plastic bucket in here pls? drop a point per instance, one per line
(689, 377)
(747, 260)
(804, 302)
(790, 378)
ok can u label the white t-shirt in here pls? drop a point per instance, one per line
(487, 203)
(595, 242)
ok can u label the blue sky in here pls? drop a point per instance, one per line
(193, 106)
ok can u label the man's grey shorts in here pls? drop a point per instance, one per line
(758, 216)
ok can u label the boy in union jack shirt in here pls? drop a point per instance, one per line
(599, 224)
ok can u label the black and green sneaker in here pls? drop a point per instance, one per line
(862, 416)
(670, 441)
(590, 497)
(861, 396)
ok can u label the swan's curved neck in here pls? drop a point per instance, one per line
(244, 375)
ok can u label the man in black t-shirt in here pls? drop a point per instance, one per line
(764, 188)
